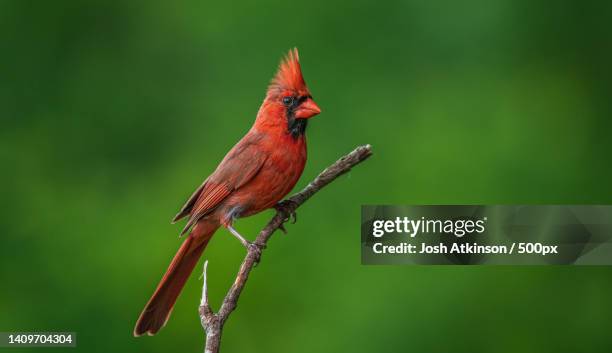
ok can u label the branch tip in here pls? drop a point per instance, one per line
(204, 301)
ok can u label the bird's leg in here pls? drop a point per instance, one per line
(287, 207)
(247, 244)
(235, 233)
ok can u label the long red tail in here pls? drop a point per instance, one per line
(158, 309)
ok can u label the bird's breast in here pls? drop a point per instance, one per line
(279, 174)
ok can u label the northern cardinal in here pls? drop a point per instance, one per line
(255, 175)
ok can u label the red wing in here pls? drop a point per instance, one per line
(208, 199)
(240, 165)
(186, 209)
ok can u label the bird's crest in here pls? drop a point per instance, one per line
(289, 74)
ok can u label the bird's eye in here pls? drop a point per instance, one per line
(287, 101)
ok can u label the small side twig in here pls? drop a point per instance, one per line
(213, 322)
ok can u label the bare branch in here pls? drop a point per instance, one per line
(213, 323)
(204, 306)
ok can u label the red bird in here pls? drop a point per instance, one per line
(255, 175)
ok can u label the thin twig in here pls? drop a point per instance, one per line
(213, 322)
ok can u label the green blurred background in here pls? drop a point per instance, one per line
(112, 113)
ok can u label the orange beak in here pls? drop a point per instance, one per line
(307, 109)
